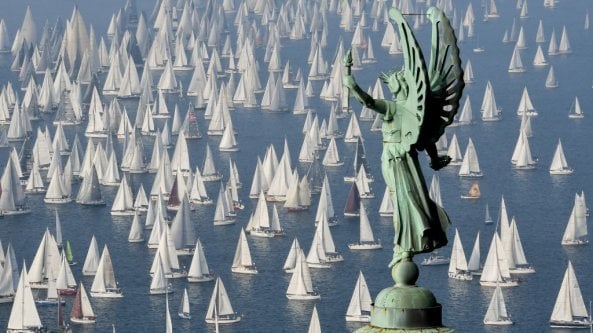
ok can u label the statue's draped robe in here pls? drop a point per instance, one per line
(418, 221)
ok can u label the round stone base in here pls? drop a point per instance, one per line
(405, 309)
(372, 329)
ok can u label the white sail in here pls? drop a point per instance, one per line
(359, 308)
(242, 262)
(575, 111)
(198, 269)
(576, 229)
(470, 167)
(91, 262)
(104, 284)
(496, 267)
(569, 309)
(497, 310)
(559, 165)
(184, 310)
(290, 262)
(458, 267)
(301, 286)
(23, 315)
(220, 309)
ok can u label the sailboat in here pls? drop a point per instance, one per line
(569, 309)
(473, 265)
(386, 208)
(300, 286)
(367, 239)
(559, 165)
(526, 105)
(184, 306)
(473, 193)
(290, 262)
(23, 315)
(198, 269)
(551, 81)
(314, 324)
(104, 284)
(82, 312)
(220, 310)
(575, 110)
(497, 310)
(487, 217)
(496, 267)
(359, 308)
(242, 262)
(458, 265)
(576, 229)
(470, 166)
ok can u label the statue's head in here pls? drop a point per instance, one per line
(395, 82)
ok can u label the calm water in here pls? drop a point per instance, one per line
(540, 203)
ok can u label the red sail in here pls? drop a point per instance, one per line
(77, 306)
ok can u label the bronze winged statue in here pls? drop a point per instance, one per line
(426, 99)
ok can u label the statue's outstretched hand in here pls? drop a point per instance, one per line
(440, 162)
(348, 81)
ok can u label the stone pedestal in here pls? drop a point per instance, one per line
(405, 307)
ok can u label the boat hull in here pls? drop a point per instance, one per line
(359, 318)
(503, 284)
(244, 270)
(499, 322)
(91, 320)
(107, 294)
(365, 246)
(303, 297)
(203, 278)
(571, 324)
(229, 320)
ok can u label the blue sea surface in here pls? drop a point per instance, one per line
(540, 203)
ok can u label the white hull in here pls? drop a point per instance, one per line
(461, 276)
(203, 278)
(160, 291)
(498, 322)
(202, 202)
(511, 283)
(365, 246)
(469, 197)
(15, 212)
(576, 116)
(571, 324)
(471, 175)
(262, 233)
(107, 294)
(230, 320)
(57, 200)
(561, 172)
(522, 270)
(36, 191)
(92, 203)
(303, 297)
(359, 318)
(122, 212)
(224, 222)
(83, 320)
(244, 270)
(334, 257)
(575, 242)
(211, 178)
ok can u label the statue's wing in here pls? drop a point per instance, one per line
(416, 76)
(446, 77)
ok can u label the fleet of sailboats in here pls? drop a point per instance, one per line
(74, 82)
